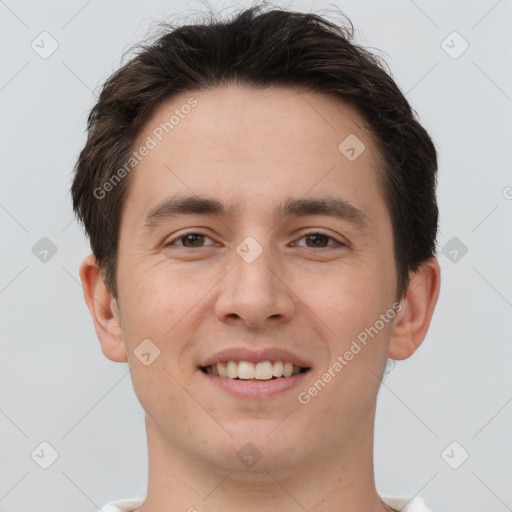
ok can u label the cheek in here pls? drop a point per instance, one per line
(352, 293)
(161, 305)
(154, 297)
(350, 303)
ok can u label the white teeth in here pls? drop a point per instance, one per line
(287, 369)
(264, 370)
(222, 369)
(245, 370)
(232, 369)
(277, 370)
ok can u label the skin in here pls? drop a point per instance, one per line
(253, 148)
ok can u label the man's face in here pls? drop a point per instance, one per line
(254, 281)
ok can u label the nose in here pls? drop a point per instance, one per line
(255, 293)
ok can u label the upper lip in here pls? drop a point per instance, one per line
(255, 356)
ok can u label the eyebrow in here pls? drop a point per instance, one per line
(292, 207)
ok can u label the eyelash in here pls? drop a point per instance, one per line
(305, 235)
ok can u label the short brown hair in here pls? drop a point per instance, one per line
(259, 48)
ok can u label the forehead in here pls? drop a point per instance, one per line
(226, 117)
(259, 142)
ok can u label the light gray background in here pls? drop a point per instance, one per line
(56, 385)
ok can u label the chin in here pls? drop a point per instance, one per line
(257, 451)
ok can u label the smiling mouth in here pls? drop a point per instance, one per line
(245, 370)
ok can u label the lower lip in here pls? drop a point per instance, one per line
(256, 389)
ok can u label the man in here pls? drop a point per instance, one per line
(260, 202)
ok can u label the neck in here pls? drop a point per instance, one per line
(340, 479)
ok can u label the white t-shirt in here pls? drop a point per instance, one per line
(414, 505)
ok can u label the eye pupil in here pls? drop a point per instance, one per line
(192, 236)
(316, 236)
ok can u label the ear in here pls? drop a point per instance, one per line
(104, 311)
(413, 320)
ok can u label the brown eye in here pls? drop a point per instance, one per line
(320, 240)
(188, 240)
(194, 239)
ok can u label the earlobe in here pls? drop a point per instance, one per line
(104, 311)
(412, 322)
